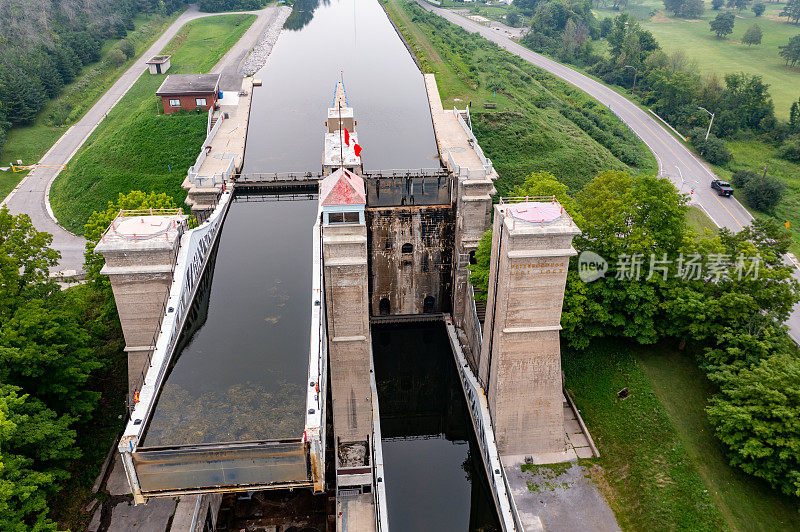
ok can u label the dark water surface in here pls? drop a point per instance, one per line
(384, 87)
(241, 374)
(434, 477)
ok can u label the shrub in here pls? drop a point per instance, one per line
(758, 9)
(790, 150)
(116, 58)
(713, 149)
(127, 48)
(740, 178)
(757, 416)
(764, 193)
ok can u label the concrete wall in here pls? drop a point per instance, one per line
(347, 299)
(521, 361)
(407, 279)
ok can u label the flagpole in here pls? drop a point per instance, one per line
(341, 141)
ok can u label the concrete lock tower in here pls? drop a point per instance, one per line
(520, 362)
(344, 246)
(140, 248)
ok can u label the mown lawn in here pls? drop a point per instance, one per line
(540, 123)
(30, 143)
(699, 222)
(135, 148)
(662, 468)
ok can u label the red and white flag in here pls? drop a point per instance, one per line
(346, 136)
(357, 149)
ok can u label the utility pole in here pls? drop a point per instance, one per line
(763, 177)
(711, 122)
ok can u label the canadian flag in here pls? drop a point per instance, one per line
(357, 149)
(346, 136)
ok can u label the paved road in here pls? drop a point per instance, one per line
(31, 196)
(674, 160)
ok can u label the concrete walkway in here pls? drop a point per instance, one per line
(31, 196)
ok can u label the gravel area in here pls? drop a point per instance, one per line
(258, 57)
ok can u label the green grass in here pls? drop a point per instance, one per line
(530, 129)
(724, 56)
(647, 475)
(662, 467)
(135, 148)
(745, 502)
(30, 143)
(699, 222)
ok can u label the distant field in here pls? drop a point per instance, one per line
(135, 148)
(728, 55)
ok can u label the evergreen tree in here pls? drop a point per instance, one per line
(794, 117)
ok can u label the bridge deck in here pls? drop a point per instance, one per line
(241, 372)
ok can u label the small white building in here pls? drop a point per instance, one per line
(159, 64)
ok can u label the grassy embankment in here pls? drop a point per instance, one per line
(135, 148)
(662, 467)
(535, 126)
(30, 143)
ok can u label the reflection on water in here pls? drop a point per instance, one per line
(353, 39)
(241, 375)
(434, 477)
(302, 13)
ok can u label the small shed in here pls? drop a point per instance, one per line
(189, 92)
(159, 64)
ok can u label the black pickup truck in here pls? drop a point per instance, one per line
(723, 188)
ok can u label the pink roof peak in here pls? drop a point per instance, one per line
(343, 188)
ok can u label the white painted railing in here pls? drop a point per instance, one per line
(378, 474)
(193, 172)
(193, 254)
(482, 422)
(317, 366)
(485, 161)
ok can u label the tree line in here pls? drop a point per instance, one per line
(725, 296)
(46, 43)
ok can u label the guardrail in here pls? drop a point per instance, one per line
(473, 141)
(193, 172)
(378, 474)
(482, 423)
(396, 173)
(193, 253)
(316, 392)
(269, 177)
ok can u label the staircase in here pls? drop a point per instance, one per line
(480, 309)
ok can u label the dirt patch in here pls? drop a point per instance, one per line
(661, 18)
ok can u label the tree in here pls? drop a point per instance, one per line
(716, 4)
(740, 178)
(479, 272)
(712, 149)
(794, 117)
(764, 193)
(738, 4)
(722, 25)
(746, 103)
(752, 35)
(692, 8)
(791, 11)
(756, 414)
(791, 52)
(127, 48)
(512, 18)
(759, 8)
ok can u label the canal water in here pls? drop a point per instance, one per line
(434, 476)
(241, 373)
(355, 40)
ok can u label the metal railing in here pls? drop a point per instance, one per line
(378, 473)
(482, 422)
(193, 172)
(397, 173)
(269, 177)
(473, 141)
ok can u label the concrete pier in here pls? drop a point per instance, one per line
(140, 249)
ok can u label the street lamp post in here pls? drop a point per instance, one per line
(635, 73)
(711, 122)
